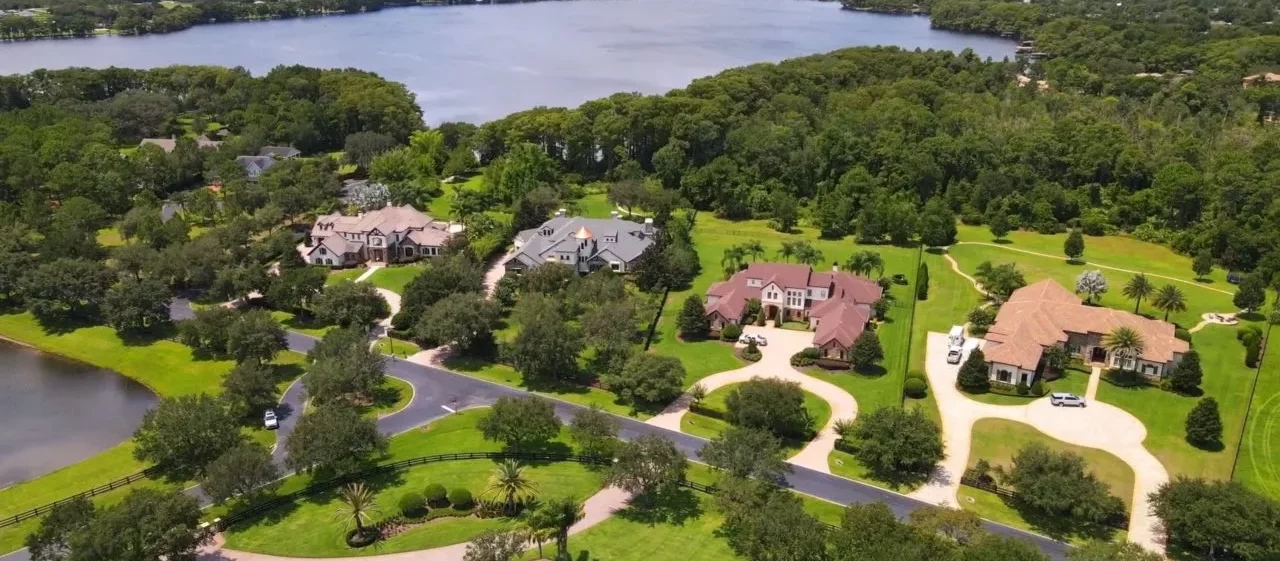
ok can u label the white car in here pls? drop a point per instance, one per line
(954, 355)
(760, 340)
(746, 338)
(1059, 399)
(269, 420)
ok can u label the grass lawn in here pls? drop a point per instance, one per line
(110, 237)
(998, 440)
(395, 278)
(1200, 299)
(594, 205)
(711, 236)
(1164, 413)
(582, 395)
(336, 277)
(300, 324)
(308, 528)
(168, 368)
(394, 395)
(1259, 464)
(709, 427)
(442, 207)
(397, 347)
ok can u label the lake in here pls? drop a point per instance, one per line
(477, 63)
(56, 412)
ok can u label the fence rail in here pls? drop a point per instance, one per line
(973, 479)
(104, 488)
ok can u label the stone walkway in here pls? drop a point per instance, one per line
(373, 268)
(775, 362)
(1099, 425)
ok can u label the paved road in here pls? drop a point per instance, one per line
(436, 389)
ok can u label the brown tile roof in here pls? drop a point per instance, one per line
(1042, 313)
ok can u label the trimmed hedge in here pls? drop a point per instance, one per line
(730, 332)
(460, 499)
(806, 357)
(435, 494)
(412, 505)
(915, 388)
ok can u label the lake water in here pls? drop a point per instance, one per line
(476, 63)
(56, 412)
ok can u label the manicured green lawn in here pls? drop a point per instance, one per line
(711, 236)
(1164, 413)
(594, 205)
(300, 324)
(110, 237)
(998, 440)
(308, 528)
(394, 395)
(1200, 299)
(709, 427)
(397, 347)
(582, 395)
(395, 278)
(441, 207)
(168, 368)
(336, 277)
(949, 301)
(1259, 464)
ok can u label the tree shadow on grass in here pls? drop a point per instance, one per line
(673, 507)
(936, 250)
(1060, 527)
(870, 371)
(1002, 241)
(149, 336)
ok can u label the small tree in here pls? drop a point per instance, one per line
(866, 350)
(183, 434)
(1252, 293)
(520, 422)
(510, 484)
(773, 405)
(255, 336)
(1170, 299)
(135, 305)
(462, 319)
(350, 304)
(563, 512)
(999, 225)
(357, 505)
(893, 442)
(922, 282)
(246, 470)
(344, 368)
(1138, 289)
(1092, 284)
(494, 545)
(648, 466)
(974, 375)
(1204, 424)
(595, 431)
(746, 452)
(1203, 264)
(648, 379)
(1059, 484)
(1073, 247)
(693, 322)
(335, 437)
(1187, 375)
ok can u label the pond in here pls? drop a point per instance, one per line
(56, 412)
(477, 63)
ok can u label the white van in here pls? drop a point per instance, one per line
(956, 336)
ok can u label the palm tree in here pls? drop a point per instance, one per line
(732, 259)
(754, 249)
(1124, 342)
(864, 262)
(788, 251)
(540, 527)
(1138, 289)
(510, 483)
(807, 254)
(1170, 299)
(563, 513)
(359, 504)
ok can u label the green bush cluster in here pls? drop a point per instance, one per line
(916, 385)
(806, 357)
(412, 505)
(435, 494)
(730, 332)
(460, 499)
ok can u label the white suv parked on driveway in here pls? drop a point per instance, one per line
(1059, 399)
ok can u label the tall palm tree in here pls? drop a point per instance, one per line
(864, 262)
(358, 505)
(807, 254)
(1170, 299)
(1138, 289)
(787, 251)
(754, 249)
(1125, 342)
(732, 259)
(510, 483)
(563, 512)
(540, 526)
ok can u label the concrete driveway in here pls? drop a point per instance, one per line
(1099, 425)
(775, 362)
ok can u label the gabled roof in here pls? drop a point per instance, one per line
(259, 164)
(281, 152)
(1043, 313)
(418, 227)
(568, 232)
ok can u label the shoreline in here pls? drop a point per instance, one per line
(60, 356)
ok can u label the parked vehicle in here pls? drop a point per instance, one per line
(1059, 399)
(746, 338)
(899, 279)
(955, 338)
(954, 354)
(269, 420)
(760, 340)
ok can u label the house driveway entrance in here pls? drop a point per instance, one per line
(775, 362)
(1099, 425)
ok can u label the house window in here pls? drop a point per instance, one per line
(323, 252)
(408, 252)
(753, 282)
(328, 261)
(615, 267)
(1004, 376)
(547, 231)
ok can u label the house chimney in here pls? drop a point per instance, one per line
(648, 226)
(560, 213)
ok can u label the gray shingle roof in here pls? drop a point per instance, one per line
(623, 238)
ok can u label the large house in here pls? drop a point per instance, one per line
(837, 305)
(392, 234)
(268, 156)
(586, 244)
(1045, 314)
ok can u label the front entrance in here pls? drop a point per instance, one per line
(1099, 354)
(771, 312)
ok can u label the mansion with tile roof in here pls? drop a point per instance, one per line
(1044, 314)
(390, 235)
(586, 244)
(836, 305)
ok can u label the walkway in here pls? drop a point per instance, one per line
(1100, 425)
(776, 363)
(598, 508)
(373, 268)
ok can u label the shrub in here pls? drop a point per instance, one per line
(1037, 389)
(412, 505)
(1252, 350)
(1023, 388)
(730, 332)
(435, 494)
(460, 499)
(1182, 334)
(917, 374)
(806, 357)
(752, 352)
(915, 388)
(972, 377)
(1245, 333)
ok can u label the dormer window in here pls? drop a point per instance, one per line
(611, 239)
(548, 231)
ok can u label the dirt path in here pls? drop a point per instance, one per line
(598, 508)
(775, 362)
